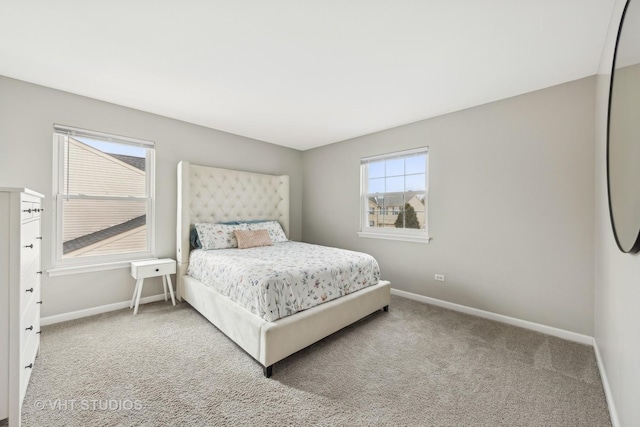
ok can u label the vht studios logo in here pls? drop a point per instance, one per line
(88, 405)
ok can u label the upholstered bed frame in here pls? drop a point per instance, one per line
(207, 194)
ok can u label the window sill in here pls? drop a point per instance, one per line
(400, 237)
(79, 269)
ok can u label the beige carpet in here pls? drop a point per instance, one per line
(417, 365)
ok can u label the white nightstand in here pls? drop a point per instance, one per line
(140, 270)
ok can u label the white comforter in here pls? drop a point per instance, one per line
(280, 280)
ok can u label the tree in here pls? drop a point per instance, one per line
(411, 220)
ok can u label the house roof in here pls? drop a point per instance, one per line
(395, 199)
(136, 162)
(100, 235)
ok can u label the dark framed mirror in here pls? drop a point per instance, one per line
(623, 138)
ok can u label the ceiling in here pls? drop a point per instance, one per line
(301, 73)
(628, 50)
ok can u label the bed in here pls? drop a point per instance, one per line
(214, 195)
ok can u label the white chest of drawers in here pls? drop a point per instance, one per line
(20, 273)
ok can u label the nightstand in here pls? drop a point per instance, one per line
(140, 270)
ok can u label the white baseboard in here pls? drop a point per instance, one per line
(615, 422)
(549, 330)
(50, 320)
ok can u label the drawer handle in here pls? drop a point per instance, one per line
(39, 238)
(29, 290)
(157, 269)
(38, 272)
(26, 210)
(29, 246)
(38, 333)
(30, 328)
(39, 302)
(29, 366)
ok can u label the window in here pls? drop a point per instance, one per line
(397, 185)
(104, 197)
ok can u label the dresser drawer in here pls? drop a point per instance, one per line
(29, 244)
(30, 286)
(144, 269)
(30, 324)
(30, 207)
(26, 210)
(36, 209)
(28, 358)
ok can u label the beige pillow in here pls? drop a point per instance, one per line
(252, 238)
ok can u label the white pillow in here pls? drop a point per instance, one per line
(218, 236)
(273, 227)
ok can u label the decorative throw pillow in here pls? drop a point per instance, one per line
(252, 238)
(218, 236)
(273, 228)
(193, 239)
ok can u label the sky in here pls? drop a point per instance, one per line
(113, 147)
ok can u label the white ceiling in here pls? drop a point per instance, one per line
(628, 51)
(301, 73)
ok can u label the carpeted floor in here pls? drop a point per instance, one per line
(417, 365)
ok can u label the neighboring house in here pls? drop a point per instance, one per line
(384, 211)
(102, 227)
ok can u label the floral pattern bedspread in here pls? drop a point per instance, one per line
(277, 281)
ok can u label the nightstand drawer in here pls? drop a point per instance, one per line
(144, 269)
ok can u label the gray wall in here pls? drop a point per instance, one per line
(27, 115)
(617, 275)
(511, 206)
(617, 289)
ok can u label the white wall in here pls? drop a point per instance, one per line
(617, 275)
(511, 206)
(27, 115)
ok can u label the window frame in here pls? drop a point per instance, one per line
(61, 265)
(403, 234)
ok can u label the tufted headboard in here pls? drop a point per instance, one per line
(207, 194)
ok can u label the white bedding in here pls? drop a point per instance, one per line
(277, 281)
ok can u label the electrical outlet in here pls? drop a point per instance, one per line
(440, 277)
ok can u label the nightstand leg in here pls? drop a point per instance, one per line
(164, 286)
(135, 310)
(173, 300)
(135, 293)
